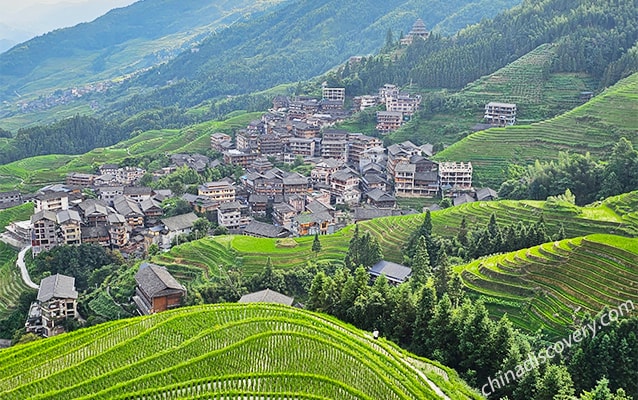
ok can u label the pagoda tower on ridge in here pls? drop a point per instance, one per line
(418, 31)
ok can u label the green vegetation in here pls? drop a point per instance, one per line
(211, 256)
(11, 284)
(231, 350)
(553, 286)
(592, 127)
(34, 172)
(18, 213)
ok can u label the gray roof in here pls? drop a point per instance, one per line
(44, 214)
(486, 193)
(393, 271)
(137, 190)
(149, 203)
(94, 232)
(316, 206)
(93, 206)
(267, 296)
(258, 198)
(262, 229)
(379, 195)
(156, 281)
(464, 198)
(57, 286)
(231, 205)
(180, 222)
(126, 206)
(402, 167)
(65, 216)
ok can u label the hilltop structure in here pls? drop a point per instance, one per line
(418, 31)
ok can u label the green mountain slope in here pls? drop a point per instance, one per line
(230, 350)
(122, 41)
(592, 127)
(203, 258)
(553, 285)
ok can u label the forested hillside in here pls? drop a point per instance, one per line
(122, 41)
(296, 42)
(596, 37)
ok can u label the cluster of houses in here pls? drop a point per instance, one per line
(128, 218)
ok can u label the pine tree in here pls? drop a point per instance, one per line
(424, 313)
(421, 268)
(316, 244)
(442, 275)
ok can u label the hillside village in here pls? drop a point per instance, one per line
(345, 247)
(352, 177)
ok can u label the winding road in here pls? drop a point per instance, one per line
(23, 268)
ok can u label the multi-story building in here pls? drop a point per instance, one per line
(109, 193)
(10, 199)
(270, 144)
(247, 141)
(220, 191)
(118, 230)
(294, 182)
(404, 103)
(400, 152)
(52, 201)
(456, 175)
(78, 179)
(69, 224)
(56, 301)
(219, 141)
(388, 121)
(301, 147)
(388, 91)
(44, 235)
(330, 93)
(283, 213)
(233, 215)
(500, 114)
(156, 290)
(323, 169)
(237, 157)
(366, 101)
(130, 209)
(137, 194)
(359, 144)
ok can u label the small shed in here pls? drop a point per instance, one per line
(394, 273)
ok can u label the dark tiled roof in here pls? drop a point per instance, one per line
(57, 286)
(94, 232)
(267, 296)
(180, 222)
(261, 229)
(156, 281)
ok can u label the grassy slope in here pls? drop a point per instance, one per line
(232, 349)
(593, 127)
(34, 172)
(552, 286)
(212, 256)
(528, 82)
(11, 284)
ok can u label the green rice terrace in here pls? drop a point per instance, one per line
(529, 83)
(229, 351)
(11, 284)
(592, 127)
(203, 258)
(34, 172)
(553, 285)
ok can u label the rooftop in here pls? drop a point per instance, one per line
(57, 286)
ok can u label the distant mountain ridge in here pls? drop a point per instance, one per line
(268, 42)
(123, 40)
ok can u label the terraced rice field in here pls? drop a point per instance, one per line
(11, 284)
(592, 127)
(198, 260)
(553, 285)
(529, 83)
(230, 351)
